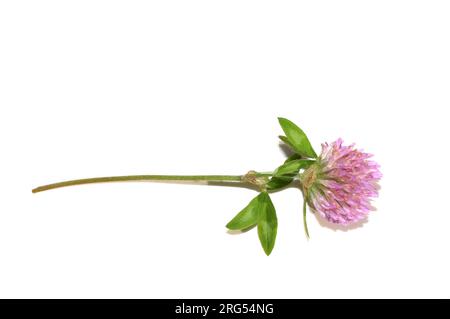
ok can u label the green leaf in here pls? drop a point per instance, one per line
(285, 174)
(296, 138)
(292, 167)
(267, 224)
(247, 217)
(279, 182)
(259, 211)
(286, 141)
(293, 157)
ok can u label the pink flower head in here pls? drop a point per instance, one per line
(341, 185)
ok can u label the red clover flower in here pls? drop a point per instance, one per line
(339, 184)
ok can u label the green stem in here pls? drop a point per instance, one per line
(174, 178)
(305, 225)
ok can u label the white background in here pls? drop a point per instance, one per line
(94, 88)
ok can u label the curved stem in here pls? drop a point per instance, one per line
(305, 225)
(175, 178)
